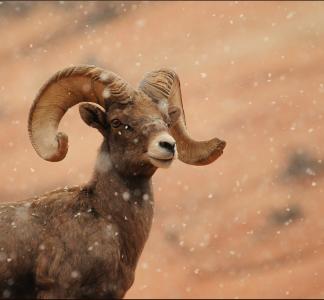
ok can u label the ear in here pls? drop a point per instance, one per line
(174, 113)
(93, 116)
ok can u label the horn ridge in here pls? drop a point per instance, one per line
(66, 88)
(165, 83)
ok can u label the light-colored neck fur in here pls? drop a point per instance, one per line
(123, 200)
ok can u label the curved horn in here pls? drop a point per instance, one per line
(64, 89)
(165, 84)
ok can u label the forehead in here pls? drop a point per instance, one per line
(142, 108)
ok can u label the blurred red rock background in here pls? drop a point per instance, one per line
(249, 225)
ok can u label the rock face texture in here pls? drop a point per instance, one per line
(249, 225)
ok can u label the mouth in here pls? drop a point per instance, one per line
(161, 162)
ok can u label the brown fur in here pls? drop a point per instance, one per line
(85, 242)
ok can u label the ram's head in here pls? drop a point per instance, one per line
(143, 127)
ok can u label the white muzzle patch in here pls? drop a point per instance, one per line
(162, 150)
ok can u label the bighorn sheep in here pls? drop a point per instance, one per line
(84, 242)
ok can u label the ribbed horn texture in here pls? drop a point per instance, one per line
(63, 90)
(165, 84)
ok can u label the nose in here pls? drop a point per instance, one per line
(170, 146)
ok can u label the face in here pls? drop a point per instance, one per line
(137, 134)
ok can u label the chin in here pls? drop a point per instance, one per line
(161, 163)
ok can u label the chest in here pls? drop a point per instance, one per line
(119, 232)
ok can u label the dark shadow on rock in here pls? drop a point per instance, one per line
(286, 215)
(302, 166)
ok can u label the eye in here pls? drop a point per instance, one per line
(115, 123)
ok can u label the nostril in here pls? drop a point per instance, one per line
(169, 146)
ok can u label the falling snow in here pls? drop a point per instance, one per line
(249, 74)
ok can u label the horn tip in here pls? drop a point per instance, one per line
(216, 147)
(220, 144)
(61, 150)
(213, 149)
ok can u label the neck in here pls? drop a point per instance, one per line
(126, 201)
(109, 181)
